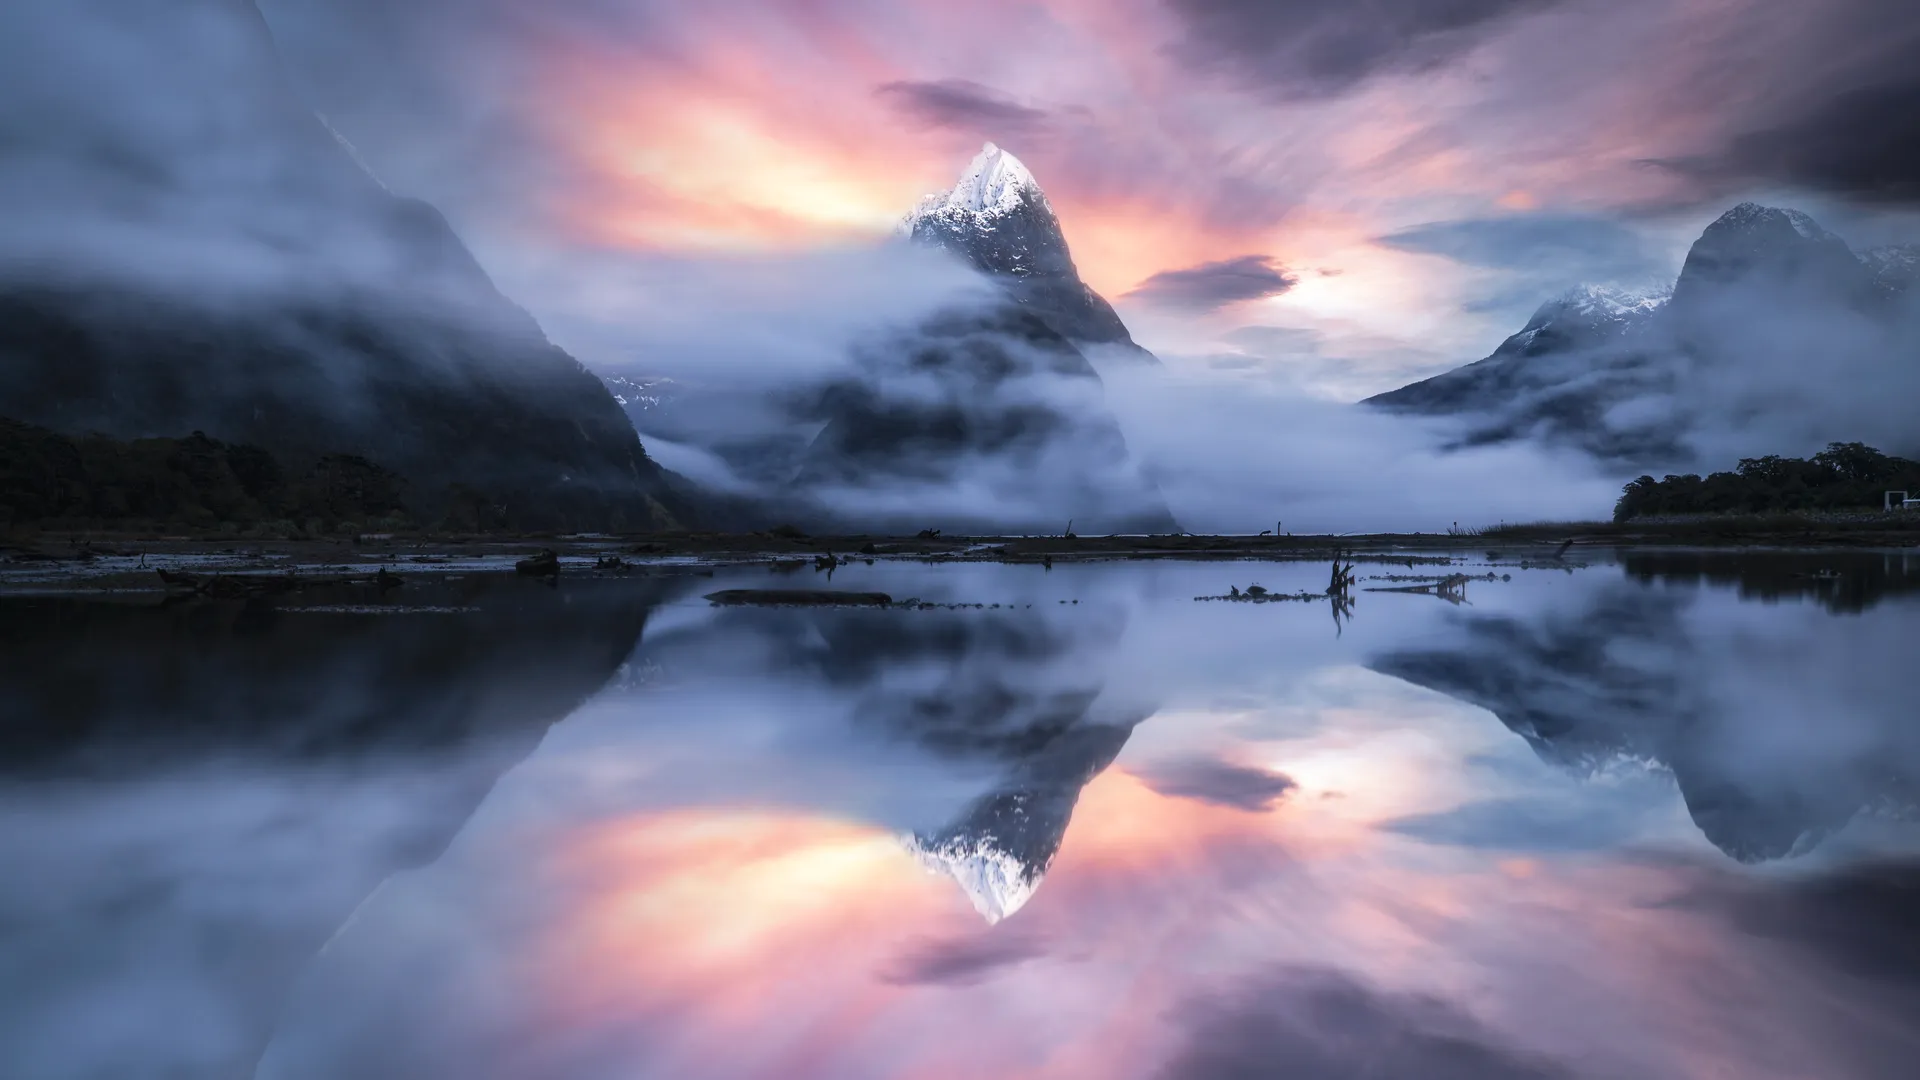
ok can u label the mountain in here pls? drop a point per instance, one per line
(640, 394)
(1895, 267)
(987, 416)
(188, 248)
(983, 421)
(1623, 373)
(1753, 248)
(1579, 356)
(997, 219)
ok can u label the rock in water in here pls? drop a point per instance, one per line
(189, 248)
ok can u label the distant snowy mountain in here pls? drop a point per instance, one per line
(641, 394)
(1571, 374)
(1895, 268)
(1580, 354)
(999, 220)
(1754, 249)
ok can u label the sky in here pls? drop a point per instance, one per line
(1337, 197)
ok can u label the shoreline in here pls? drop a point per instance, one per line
(116, 563)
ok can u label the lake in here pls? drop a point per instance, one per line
(1635, 815)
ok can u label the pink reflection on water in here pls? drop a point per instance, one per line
(758, 944)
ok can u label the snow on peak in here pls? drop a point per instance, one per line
(1749, 214)
(1892, 257)
(995, 882)
(1617, 301)
(994, 183)
(1617, 306)
(1805, 225)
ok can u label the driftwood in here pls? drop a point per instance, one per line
(1342, 580)
(1452, 588)
(253, 586)
(545, 564)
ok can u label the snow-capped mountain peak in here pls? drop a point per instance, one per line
(998, 220)
(1596, 308)
(994, 183)
(1611, 302)
(1750, 214)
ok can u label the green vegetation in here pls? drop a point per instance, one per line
(189, 483)
(1843, 477)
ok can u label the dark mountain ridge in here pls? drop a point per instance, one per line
(192, 249)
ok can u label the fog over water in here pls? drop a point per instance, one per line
(1556, 831)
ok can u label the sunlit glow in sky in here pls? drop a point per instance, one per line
(1554, 142)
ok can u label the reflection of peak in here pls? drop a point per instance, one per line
(995, 881)
(1628, 677)
(1001, 847)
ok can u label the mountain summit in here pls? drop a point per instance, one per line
(998, 219)
(995, 184)
(1624, 374)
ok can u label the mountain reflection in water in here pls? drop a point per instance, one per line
(1207, 840)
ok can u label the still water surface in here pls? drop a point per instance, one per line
(1646, 817)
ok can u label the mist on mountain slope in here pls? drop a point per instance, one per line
(1776, 339)
(186, 246)
(119, 171)
(1783, 367)
(752, 346)
(159, 146)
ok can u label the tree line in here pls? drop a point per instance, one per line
(194, 482)
(1844, 476)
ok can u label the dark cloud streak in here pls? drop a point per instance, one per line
(960, 962)
(961, 104)
(1832, 104)
(1860, 144)
(1314, 1023)
(1309, 48)
(1219, 783)
(1525, 242)
(1216, 284)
